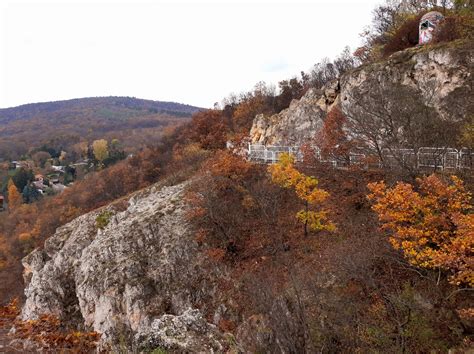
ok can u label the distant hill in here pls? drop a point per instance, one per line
(119, 104)
(135, 122)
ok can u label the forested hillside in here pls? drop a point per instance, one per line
(62, 124)
(189, 245)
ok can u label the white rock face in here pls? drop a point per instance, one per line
(297, 123)
(127, 278)
(440, 78)
(182, 332)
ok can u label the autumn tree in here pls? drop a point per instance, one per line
(221, 202)
(4, 252)
(261, 100)
(80, 149)
(187, 159)
(286, 175)
(14, 197)
(63, 157)
(209, 129)
(433, 227)
(40, 158)
(328, 70)
(101, 151)
(290, 90)
(47, 332)
(333, 139)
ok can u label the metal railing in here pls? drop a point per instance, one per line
(425, 158)
(271, 154)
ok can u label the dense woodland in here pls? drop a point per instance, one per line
(325, 260)
(64, 125)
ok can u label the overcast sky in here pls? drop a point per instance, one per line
(192, 52)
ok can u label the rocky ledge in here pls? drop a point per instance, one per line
(436, 79)
(135, 279)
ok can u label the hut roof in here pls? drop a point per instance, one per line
(432, 16)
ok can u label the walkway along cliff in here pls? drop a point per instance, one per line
(132, 270)
(418, 91)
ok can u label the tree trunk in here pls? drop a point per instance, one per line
(306, 220)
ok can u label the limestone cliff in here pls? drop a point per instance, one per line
(133, 272)
(139, 279)
(298, 122)
(439, 79)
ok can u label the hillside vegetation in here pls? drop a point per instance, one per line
(63, 124)
(297, 257)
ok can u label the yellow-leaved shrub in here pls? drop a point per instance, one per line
(433, 226)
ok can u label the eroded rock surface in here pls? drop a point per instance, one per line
(439, 79)
(139, 274)
(297, 123)
(189, 332)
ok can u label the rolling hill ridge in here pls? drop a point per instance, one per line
(135, 122)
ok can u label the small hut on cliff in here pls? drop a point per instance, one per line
(428, 23)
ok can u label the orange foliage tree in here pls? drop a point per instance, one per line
(286, 175)
(209, 129)
(260, 100)
(332, 139)
(14, 197)
(220, 201)
(434, 227)
(46, 332)
(4, 251)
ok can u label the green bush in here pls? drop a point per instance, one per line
(103, 219)
(159, 351)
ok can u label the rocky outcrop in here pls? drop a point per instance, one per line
(440, 79)
(437, 80)
(187, 332)
(298, 122)
(138, 278)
